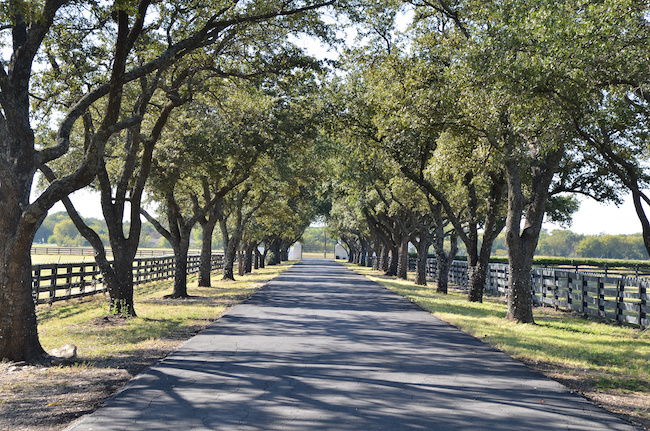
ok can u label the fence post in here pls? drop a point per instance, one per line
(569, 290)
(642, 303)
(68, 280)
(36, 282)
(54, 275)
(620, 287)
(601, 297)
(583, 294)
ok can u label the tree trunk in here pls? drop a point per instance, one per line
(274, 248)
(384, 259)
(120, 288)
(18, 331)
(477, 273)
(240, 262)
(403, 258)
(394, 259)
(521, 241)
(422, 248)
(205, 264)
(364, 252)
(229, 255)
(520, 300)
(249, 257)
(180, 269)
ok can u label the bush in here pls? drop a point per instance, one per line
(270, 258)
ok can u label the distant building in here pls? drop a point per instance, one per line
(340, 252)
(295, 251)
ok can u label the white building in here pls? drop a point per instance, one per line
(295, 251)
(340, 252)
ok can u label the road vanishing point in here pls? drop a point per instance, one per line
(323, 348)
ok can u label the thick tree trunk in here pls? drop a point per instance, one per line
(18, 331)
(120, 288)
(442, 270)
(249, 257)
(274, 248)
(205, 264)
(180, 270)
(521, 241)
(229, 255)
(422, 248)
(477, 273)
(520, 300)
(384, 259)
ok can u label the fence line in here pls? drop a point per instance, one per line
(89, 251)
(624, 299)
(53, 282)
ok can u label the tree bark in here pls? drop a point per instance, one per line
(121, 290)
(403, 258)
(364, 251)
(421, 265)
(384, 258)
(18, 331)
(180, 271)
(249, 257)
(394, 260)
(522, 242)
(205, 264)
(229, 254)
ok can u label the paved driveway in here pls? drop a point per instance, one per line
(322, 348)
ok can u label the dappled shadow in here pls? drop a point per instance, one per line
(322, 348)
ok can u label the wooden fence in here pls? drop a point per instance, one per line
(88, 251)
(58, 281)
(624, 299)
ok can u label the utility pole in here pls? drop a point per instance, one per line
(325, 243)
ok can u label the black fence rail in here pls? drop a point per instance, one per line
(53, 282)
(624, 299)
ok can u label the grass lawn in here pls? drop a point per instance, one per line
(607, 362)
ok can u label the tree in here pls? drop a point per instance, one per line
(30, 25)
(207, 155)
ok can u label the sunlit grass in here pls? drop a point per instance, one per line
(604, 355)
(159, 321)
(317, 255)
(38, 259)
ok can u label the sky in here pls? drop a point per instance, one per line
(594, 218)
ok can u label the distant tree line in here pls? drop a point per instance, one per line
(313, 240)
(565, 243)
(59, 229)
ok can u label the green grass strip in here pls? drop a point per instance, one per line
(601, 355)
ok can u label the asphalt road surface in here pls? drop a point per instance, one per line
(322, 348)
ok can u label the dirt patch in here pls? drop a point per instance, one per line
(49, 398)
(632, 406)
(108, 320)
